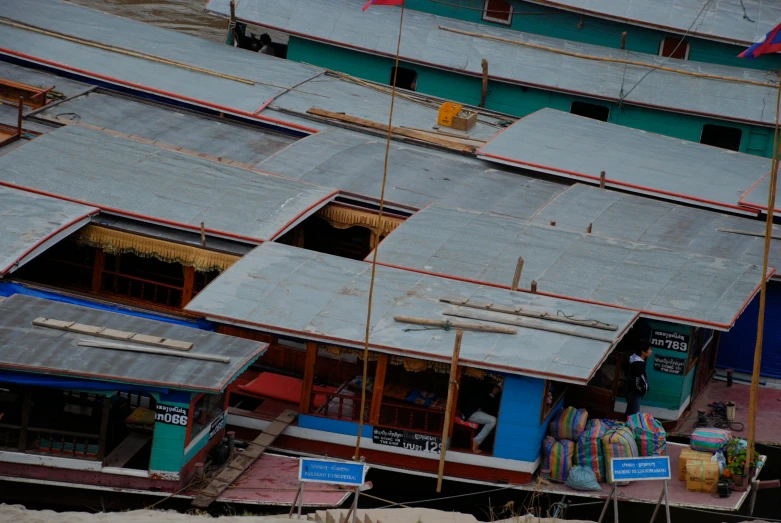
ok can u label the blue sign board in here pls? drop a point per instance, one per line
(335, 472)
(640, 469)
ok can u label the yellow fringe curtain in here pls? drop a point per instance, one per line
(344, 218)
(118, 242)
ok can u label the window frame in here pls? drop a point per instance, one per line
(661, 48)
(572, 105)
(712, 125)
(191, 435)
(544, 413)
(489, 18)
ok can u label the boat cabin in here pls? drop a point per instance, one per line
(310, 308)
(92, 398)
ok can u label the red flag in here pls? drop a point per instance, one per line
(381, 2)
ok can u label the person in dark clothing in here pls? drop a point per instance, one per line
(267, 48)
(482, 409)
(637, 379)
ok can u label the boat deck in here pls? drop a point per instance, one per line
(273, 480)
(649, 491)
(768, 424)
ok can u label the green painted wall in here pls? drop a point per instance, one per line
(668, 391)
(168, 443)
(571, 26)
(516, 100)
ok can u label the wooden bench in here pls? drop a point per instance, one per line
(125, 451)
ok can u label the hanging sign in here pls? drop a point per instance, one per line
(171, 415)
(640, 469)
(407, 439)
(676, 341)
(216, 425)
(669, 365)
(334, 472)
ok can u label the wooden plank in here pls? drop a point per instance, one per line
(449, 407)
(455, 324)
(305, 402)
(518, 311)
(112, 334)
(474, 314)
(379, 387)
(400, 131)
(241, 462)
(125, 451)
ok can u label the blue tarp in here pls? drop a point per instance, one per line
(9, 289)
(736, 349)
(45, 380)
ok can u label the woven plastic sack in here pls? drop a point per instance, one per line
(706, 439)
(618, 443)
(547, 446)
(650, 436)
(560, 460)
(588, 452)
(582, 478)
(569, 424)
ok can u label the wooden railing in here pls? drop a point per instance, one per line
(63, 442)
(339, 406)
(141, 288)
(9, 436)
(412, 417)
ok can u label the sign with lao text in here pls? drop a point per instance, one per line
(216, 425)
(640, 469)
(670, 340)
(334, 472)
(407, 439)
(171, 415)
(669, 365)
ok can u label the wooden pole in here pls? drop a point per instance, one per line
(517, 277)
(754, 392)
(534, 286)
(590, 226)
(602, 180)
(484, 88)
(231, 23)
(623, 40)
(449, 407)
(203, 235)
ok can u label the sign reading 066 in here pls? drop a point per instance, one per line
(171, 415)
(670, 340)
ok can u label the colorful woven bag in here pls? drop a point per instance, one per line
(560, 460)
(569, 424)
(706, 439)
(650, 436)
(588, 452)
(547, 446)
(618, 443)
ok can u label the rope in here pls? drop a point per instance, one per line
(717, 417)
(449, 497)
(357, 456)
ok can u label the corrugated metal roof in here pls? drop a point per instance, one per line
(575, 147)
(732, 21)
(662, 283)
(293, 86)
(31, 223)
(756, 196)
(639, 219)
(342, 23)
(134, 179)
(417, 176)
(44, 350)
(316, 296)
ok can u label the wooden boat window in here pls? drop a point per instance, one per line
(552, 395)
(336, 386)
(721, 136)
(674, 48)
(206, 408)
(593, 111)
(498, 11)
(405, 78)
(701, 340)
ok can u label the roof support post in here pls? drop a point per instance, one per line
(449, 410)
(104, 427)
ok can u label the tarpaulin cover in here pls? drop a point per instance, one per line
(38, 380)
(9, 289)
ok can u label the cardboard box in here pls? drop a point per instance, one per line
(464, 120)
(701, 476)
(688, 455)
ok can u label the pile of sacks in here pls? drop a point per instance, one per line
(702, 463)
(577, 450)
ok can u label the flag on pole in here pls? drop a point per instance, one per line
(770, 43)
(381, 2)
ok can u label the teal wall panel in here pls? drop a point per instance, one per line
(168, 442)
(517, 100)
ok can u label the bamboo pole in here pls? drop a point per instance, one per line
(607, 59)
(517, 277)
(484, 88)
(457, 324)
(754, 393)
(449, 407)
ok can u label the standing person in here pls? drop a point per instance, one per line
(637, 380)
(482, 409)
(267, 48)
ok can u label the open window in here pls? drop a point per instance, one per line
(674, 47)
(593, 111)
(721, 136)
(405, 79)
(553, 394)
(206, 409)
(498, 11)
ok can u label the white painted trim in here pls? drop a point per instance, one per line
(126, 472)
(49, 461)
(488, 18)
(656, 412)
(477, 460)
(197, 439)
